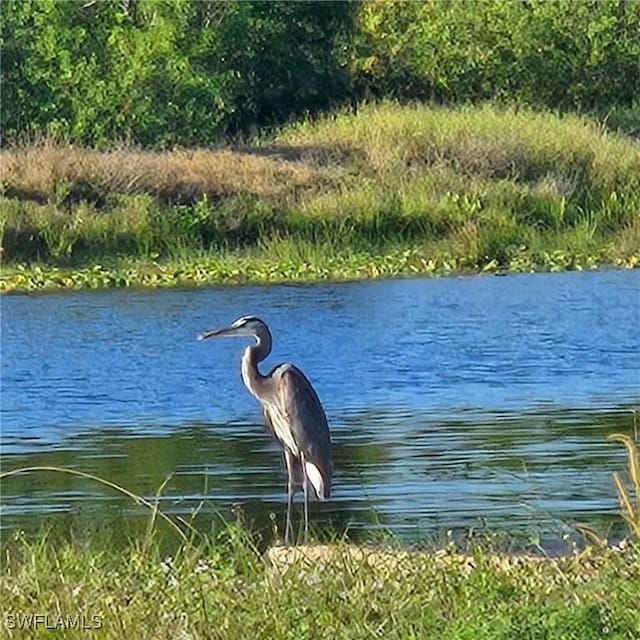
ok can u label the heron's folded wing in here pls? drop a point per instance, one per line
(307, 420)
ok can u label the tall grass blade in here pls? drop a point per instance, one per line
(630, 511)
(135, 497)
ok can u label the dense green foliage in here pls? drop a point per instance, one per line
(164, 72)
(553, 53)
(180, 71)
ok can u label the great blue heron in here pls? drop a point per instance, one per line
(292, 412)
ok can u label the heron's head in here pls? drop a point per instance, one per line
(244, 326)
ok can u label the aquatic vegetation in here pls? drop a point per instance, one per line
(306, 264)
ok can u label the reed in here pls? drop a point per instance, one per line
(629, 498)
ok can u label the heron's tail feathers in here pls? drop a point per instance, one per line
(320, 482)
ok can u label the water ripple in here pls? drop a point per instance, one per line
(452, 401)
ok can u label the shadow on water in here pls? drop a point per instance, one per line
(533, 474)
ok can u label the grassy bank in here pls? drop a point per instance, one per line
(225, 584)
(390, 191)
(225, 588)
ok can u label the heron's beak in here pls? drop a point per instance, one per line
(228, 331)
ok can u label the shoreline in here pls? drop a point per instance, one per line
(232, 270)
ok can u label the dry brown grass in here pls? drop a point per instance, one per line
(47, 171)
(629, 498)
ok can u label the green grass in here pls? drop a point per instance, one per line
(223, 587)
(390, 191)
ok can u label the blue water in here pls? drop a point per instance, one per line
(452, 401)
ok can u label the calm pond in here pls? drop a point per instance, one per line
(454, 403)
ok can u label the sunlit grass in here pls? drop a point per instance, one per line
(50, 171)
(224, 588)
(481, 140)
(476, 188)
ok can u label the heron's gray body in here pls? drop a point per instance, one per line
(292, 412)
(292, 405)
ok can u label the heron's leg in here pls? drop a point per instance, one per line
(305, 489)
(291, 489)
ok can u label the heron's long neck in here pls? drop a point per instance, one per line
(253, 355)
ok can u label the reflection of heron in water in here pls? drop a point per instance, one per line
(292, 412)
